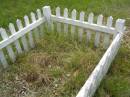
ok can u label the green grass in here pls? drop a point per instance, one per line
(117, 81)
(10, 10)
(57, 67)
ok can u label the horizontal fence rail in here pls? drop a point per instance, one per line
(70, 23)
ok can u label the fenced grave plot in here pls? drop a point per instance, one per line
(57, 67)
(30, 33)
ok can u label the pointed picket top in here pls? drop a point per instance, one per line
(74, 14)
(90, 17)
(19, 24)
(17, 44)
(109, 21)
(58, 11)
(100, 19)
(82, 14)
(66, 13)
(3, 33)
(39, 14)
(26, 19)
(33, 17)
(12, 28)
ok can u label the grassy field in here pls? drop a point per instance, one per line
(117, 81)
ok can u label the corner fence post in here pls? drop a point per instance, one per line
(47, 15)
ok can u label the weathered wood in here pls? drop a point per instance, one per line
(47, 15)
(16, 43)
(90, 20)
(3, 59)
(58, 15)
(85, 25)
(41, 27)
(21, 33)
(8, 48)
(23, 38)
(97, 36)
(107, 36)
(30, 36)
(66, 25)
(101, 69)
(73, 28)
(81, 30)
(36, 31)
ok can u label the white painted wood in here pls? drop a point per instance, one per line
(66, 25)
(16, 43)
(3, 59)
(85, 25)
(8, 48)
(81, 30)
(102, 68)
(107, 36)
(30, 36)
(21, 33)
(97, 36)
(41, 27)
(58, 15)
(23, 38)
(73, 28)
(36, 31)
(47, 15)
(119, 27)
(90, 20)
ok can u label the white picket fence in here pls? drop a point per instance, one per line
(24, 39)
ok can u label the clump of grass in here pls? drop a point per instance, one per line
(58, 66)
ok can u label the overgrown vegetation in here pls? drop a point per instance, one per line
(117, 81)
(57, 67)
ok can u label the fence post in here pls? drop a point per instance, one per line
(47, 15)
(119, 27)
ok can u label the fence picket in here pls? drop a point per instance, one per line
(39, 15)
(3, 59)
(36, 31)
(58, 15)
(90, 20)
(107, 36)
(17, 44)
(30, 36)
(81, 30)
(8, 48)
(73, 28)
(66, 25)
(97, 37)
(23, 39)
(47, 15)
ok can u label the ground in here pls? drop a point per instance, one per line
(117, 81)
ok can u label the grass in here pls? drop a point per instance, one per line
(57, 67)
(117, 81)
